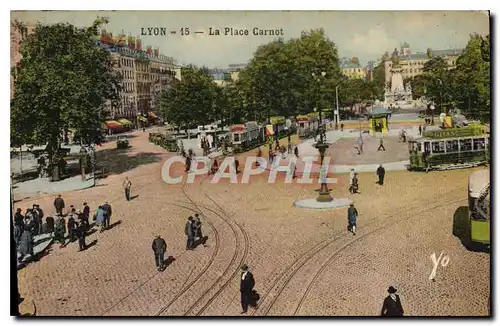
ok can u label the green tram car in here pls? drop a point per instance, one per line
(479, 207)
(450, 149)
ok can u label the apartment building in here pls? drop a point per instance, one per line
(18, 32)
(413, 64)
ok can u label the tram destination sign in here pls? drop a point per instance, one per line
(455, 132)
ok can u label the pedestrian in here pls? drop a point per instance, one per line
(28, 221)
(19, 218)
(81, 230)
(188, 163)
(247, 283)
(59, 204)
(60, 230)
(71, 227)
(86, 214)
(360, 145)
(159, 247)
(355, 185)
(107, 214)
(236, 165)
(49, 222)
(215, 166)
(296, 151)
(197, 226)
(420, 129)
(35, 227)
(189, 230)
(403, 135)
(39, 212)
(18, 232)
(381, 146)
(100, 218)
(289, 148)
(352, 215)
(392, 304)
(277, 147)
(341, 127)
(126, 186)
(381, 175)
(351, 177)
(26, 245)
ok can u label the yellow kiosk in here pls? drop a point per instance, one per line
(378, 120)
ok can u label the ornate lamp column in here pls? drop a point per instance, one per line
(321, 146)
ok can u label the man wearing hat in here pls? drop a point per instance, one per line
(381, 175)
(159, 247)
(352, 215)
(189, 230)
(392, 304)
(246, 286)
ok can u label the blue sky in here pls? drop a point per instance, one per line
(365, 34)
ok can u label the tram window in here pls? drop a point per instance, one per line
(452, 146)
(415, 147)
(301, 125)
(438, 147)
(427, 147)
(236, 137)
(465, 145)
(479, 144)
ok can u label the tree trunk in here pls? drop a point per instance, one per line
(54, 158)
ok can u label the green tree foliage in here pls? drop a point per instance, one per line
(193, 100)
(466, 87)
(62, 82)
(278, 80)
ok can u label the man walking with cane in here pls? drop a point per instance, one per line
(126, 185)
(381, 175)
(246, 286)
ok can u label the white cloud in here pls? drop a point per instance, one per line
(374, 42)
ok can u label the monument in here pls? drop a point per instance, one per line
(396, 94)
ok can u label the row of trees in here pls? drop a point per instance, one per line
(61, 83)
(282, 78)
(466, 87)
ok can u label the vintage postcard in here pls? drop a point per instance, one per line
(251, 163)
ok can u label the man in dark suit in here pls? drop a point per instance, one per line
(159, 247)
(189, 230)
(381, 175)
(247, 283)
(392, 304)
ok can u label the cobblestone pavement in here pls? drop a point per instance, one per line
(304, 261)
(344, 151)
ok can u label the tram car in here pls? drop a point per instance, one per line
(450, 149)
(307, 125)
(278, 126)
(246, 136)
(479, 207)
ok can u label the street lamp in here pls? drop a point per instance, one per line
(321, 146)
(440, 99)
(337, 121)
(83, 161)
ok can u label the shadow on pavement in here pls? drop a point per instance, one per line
(167, 262)
(117, 161)
(113, 225)
(90, 245)
(134, 197)
(461, 231)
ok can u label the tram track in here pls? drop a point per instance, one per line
(225, 284)
(281, 282)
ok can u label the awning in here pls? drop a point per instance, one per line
(152, 115)
(269, 130)
(124, 122)
(141, 118)
(112, 124)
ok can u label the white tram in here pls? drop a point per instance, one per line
(246, 136)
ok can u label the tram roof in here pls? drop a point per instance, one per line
(477, 181)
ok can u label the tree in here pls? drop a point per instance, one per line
(62, 83)
(191, 101)
(278, 80)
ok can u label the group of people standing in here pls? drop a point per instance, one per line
(193, 230)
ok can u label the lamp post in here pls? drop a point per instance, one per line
(83, 161)
(337, 120)
(321, 146)
(440, 99)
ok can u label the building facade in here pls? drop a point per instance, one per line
(413, 64)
